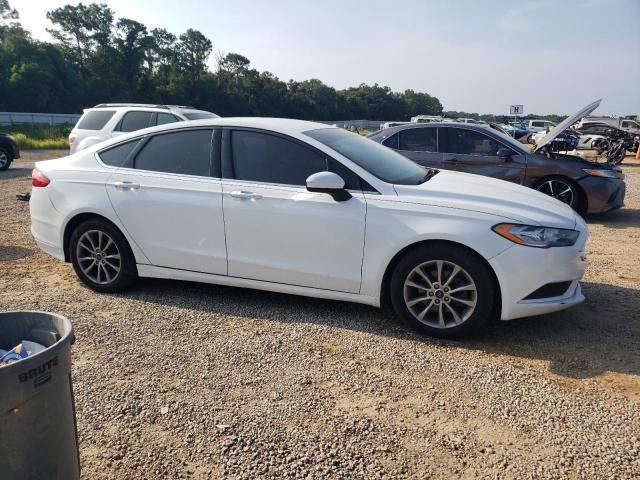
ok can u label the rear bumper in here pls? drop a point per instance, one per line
(523, 270)
(46, 223)
(603, 194)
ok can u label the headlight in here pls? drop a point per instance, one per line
(540, 237)
(597, 172)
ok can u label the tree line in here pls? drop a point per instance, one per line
(97, 58)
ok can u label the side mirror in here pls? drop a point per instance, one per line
(505, 154)
(328, 182)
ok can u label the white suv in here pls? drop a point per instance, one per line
(108, 120)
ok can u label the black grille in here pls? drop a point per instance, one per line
(549, 290)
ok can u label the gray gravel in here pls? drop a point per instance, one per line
(181, 380)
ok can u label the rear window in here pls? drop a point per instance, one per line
(186, 153)
(95, 120)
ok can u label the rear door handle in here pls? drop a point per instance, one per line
(245, 195)
(126, 185)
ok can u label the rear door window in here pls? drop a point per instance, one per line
(95, 120)
(419, 139)
(185, 152)
(133, 121)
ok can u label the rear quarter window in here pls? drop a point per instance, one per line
(95, 120)
(120, 155)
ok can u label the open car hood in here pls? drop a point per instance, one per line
(562, 126)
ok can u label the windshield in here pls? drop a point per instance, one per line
(378, 160)
(513, 143)
(200, 115)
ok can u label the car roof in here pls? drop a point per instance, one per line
(144, 108)
(285, 126)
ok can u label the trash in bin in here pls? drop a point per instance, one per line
(23, 350)
(38, 436)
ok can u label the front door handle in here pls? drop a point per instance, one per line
(126, 185)
(245, 195)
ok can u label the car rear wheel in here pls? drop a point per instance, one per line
(561, 189)
(441, 290)
(5, 159)
(101, 257)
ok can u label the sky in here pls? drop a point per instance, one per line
(552, 56)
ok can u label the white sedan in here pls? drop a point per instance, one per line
(302, 208)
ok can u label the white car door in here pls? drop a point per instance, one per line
(276, 230)
(169, 202)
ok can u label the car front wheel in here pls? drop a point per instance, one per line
(442, 290)
(101, 257)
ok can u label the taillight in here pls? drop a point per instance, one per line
(72, 138)
(38, 178)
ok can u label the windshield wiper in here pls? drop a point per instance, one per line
(430, 174)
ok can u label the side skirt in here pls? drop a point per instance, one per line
(151, 271)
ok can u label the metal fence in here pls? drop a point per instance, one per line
(22, 118)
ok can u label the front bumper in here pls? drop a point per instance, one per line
(522, 270)
(603, 194)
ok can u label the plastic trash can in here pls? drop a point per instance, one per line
(38, 436)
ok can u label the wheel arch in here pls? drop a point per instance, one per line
(386, 278)
(584, 200)
(76, 220)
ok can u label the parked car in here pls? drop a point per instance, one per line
(585, 186)
(567, 141)
(9, 150)
(470, 120)
(427, 118)
(108, 120)
(627, 124)
(391, 124)
(303, 208)
(537, 125)
(517, 131)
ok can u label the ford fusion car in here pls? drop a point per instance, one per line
(302, 208)
(585, 186)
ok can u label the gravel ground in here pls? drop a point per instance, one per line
(180, 380)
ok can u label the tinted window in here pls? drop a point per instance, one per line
(164, 118)
(537, 124)
(467, 142)
(200, 115)
(376, 159)
(391, 142)
(118, 156)
(95, 120)
(187, 152)
(267, 158)
(419, 139)
(133, 121)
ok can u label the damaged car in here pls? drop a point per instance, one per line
(585, 186)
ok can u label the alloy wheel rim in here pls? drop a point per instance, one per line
(559, 190)
(98, 256)
(440, 294)
(3, 159)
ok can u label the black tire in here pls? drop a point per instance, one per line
(5, 158)
(577, 199)
(127, 273)
(473, 266)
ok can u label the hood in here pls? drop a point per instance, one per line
(509, 201)
(562, 126)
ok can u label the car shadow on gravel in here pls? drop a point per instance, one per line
(15, 172)
(12, 252)
(623, 218)
(600, 335)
